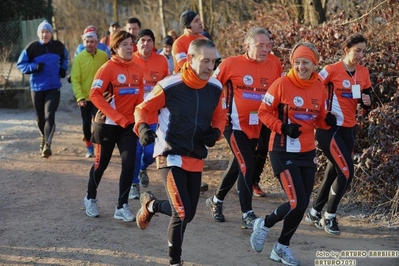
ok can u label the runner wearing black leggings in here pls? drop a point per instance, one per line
(46, 104)
(348, 84)
(47, 61)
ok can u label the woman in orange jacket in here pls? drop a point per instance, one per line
(348, 85)
(116, 90)
(291, 108)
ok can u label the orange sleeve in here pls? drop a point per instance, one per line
(268, 108)
(219, 117)
(153, 102)
(179, 54)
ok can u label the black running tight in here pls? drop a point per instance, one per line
(183, 190)
(126, 141)
(46, 104)
(297, 182)
(241, 165)
(337, 144)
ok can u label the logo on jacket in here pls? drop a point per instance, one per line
(248, 80)
(298, 101)
(268, 99)
(121, 78)
(346, 84)
(97, 83)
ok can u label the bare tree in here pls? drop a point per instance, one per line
(115, 10)
(163, 29)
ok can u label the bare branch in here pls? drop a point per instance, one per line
(366, 14)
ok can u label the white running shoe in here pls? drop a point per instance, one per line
(124, 214)
(134, 191)
(91, 207)
(284, 255)
(259, 234)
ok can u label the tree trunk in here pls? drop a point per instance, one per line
(315, 11)
(162, 18)
(115, 10)
(201, 11)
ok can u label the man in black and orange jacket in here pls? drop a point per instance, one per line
(191, 119)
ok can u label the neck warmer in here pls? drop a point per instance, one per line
(190, 78)
(301, 83)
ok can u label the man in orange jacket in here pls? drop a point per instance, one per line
(192, 26)
(155, 68)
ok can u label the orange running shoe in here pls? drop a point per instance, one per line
(143, 216)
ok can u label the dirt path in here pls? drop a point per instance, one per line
(42, 220)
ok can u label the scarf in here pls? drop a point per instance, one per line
(190, 78)
(301, 83)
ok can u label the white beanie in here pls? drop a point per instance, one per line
(91, 34)
(44, 26)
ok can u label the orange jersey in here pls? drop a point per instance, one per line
(250, 80)
(277, 61)
(342, 102)
(180, 49)
(154, 69)
(286, 103)
(116, 90)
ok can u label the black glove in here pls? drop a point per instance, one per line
(62, 73)
(210, 138)
(291, 130)
(330, 119)
(146, 134)
(39, 67)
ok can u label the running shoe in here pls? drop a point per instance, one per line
(216, 209)
(284, 255)
(314, 219)
(134, 191)
(124, 214)
(331, 226)
(144, 179)
(143, 216)
(91, 207)
(257, 191)
(259, 234)
(248, 222)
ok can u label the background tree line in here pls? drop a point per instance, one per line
(72, 16)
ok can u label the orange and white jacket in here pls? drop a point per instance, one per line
(340, 100)
(286, 103)
(250, 80)
(154, 69)
(180, 49)
(116, 90)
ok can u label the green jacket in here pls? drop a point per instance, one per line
(84, 68)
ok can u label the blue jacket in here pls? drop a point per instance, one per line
(54, 55)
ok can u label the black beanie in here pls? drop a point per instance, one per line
(145, 32)
(186, 17)
(168, 40)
